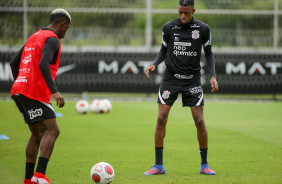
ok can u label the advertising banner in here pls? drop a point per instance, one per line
(124, 72)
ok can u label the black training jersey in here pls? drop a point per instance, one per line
(184, 44)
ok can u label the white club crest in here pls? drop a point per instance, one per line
(195, 34)
(166, 95)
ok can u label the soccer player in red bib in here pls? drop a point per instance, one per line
(182, 41)
(34, 69)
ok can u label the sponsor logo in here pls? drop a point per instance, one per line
(180, 49)
(65, 69)
(196, 90)
(166, 95)
(25, 70)
(128, 67)
(28, 49)
(35, 113)
(187, 44)
(175, 34)
(182, 53)
(195, 26)
(195, 34)
(27, 59)
(255, 69)
(21, 79)
(178, 76)
(176, 27)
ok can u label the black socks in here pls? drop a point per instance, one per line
(29, 170)
(159, 155)
(42, 165)
(204, 155)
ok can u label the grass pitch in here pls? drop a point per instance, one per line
(245, 144)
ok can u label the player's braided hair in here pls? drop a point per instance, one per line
(186, 2)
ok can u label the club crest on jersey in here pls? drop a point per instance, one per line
(195, 34)
(166, 95)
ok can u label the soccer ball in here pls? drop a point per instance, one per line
(82, 107)
(102, 172)
(94, 106)
(100, 106)
(108, 104)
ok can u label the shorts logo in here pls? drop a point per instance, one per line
(195, 34)
(196, 90)
(35, 113)
(166, 95)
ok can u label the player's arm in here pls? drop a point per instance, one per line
(210, 61)
(50, 49)
(15, 63)
(161, 55)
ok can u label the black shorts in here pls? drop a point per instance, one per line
(32, 110)
(191, 90)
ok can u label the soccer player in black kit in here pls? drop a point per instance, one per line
(182, 42)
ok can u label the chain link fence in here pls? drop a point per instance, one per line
(135, 25)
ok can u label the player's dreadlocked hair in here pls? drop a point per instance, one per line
(59, 15)
(186, 2)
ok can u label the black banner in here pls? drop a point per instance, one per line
(124, 72)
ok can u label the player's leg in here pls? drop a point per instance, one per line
(160, 132)
(51, 133)
(167, 95)
(202, 134)
(32, 150)
(161, 124)
(33, 144)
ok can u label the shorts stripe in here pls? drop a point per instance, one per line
(48, 105)
(160, 97)
(199, 102)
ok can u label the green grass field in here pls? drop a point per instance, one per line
(245, 144)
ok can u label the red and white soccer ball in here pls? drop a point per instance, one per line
(101, 106)
(102, 172)
(108, 104)
(94, 106)
(82, 107)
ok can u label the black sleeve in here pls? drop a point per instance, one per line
(15, 63)
(50, 49)
(161, 55)
(210, 62)
(208, 52)
(165, 39)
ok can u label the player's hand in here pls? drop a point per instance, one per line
(150, 69)
(214, 84)
(59, 99)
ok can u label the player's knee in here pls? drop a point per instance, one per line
(162, 119)
(55, 132)
(200, 123)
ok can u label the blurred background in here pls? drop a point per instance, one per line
(111, 42)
